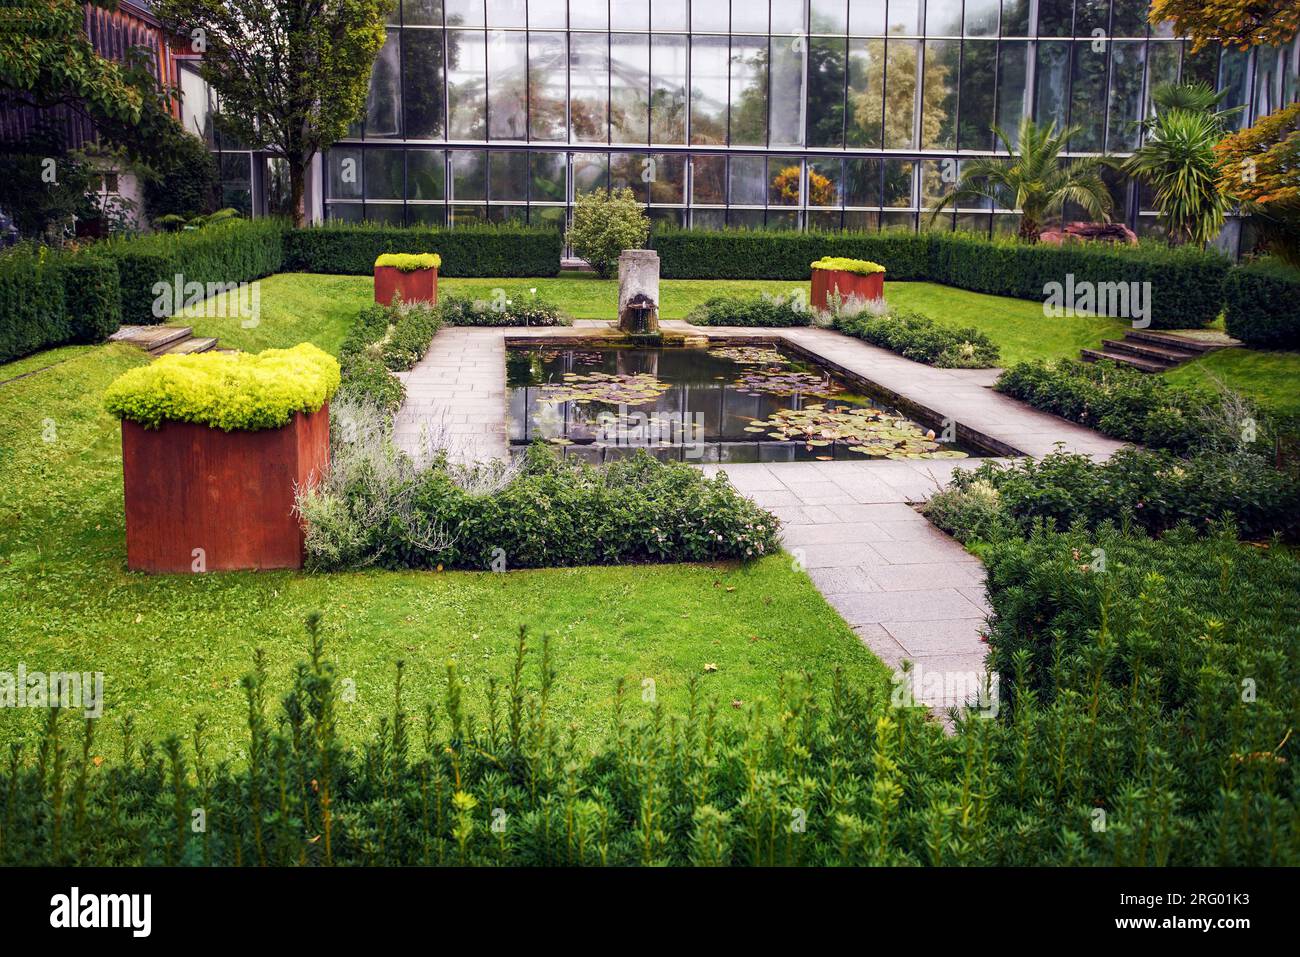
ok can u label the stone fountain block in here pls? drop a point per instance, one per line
(638, 283)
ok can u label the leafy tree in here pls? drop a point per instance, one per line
(1034, 179)
(1261, 166)
(1241, 23)
(291, 75)
(606, 222)
(1178, 162)
(45, 198)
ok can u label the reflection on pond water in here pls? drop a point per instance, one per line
(722, 404)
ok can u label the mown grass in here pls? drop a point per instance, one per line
(1271, 378)
(172, 647)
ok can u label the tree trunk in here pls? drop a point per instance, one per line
(1029, 229)
(297, 189)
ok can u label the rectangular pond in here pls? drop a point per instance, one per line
(724, 403)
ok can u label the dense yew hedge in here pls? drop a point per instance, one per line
(505, 250)
(48, 299)
(1263, 304)
(1186, 283)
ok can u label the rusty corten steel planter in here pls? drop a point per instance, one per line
(418, 286)
(849, 284)
(230, 494)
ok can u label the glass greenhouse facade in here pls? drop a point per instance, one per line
(765, 113)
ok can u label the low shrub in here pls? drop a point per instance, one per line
(544, 512)
(227, 391)
(1263, 304)
(518, 308)
(605, 223)
(50, 298)
(364, 379)
(921, 339)
(409, 262)
(1124, 691)
(778, 254)
(761, 310)
(1124, 403)
(466, 251)
(860, 267)
(1154, 491)
(92, 297)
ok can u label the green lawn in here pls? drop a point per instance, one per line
(1271, 378)
(171, 647)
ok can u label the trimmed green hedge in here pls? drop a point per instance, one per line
(236, 251)
(47, 299)
(1186, 283)
(467, 251)
(1263, 304)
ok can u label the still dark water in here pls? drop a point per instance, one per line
(721, 404)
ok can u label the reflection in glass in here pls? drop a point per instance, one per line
(905, 17)
(589, 87)
(426, 174)
(422, 92)
(748, 91)
(708, 89)
(1055, 17)
(748, 181)
(468, 175)
(866, 92)
(900, 93)
(943, 18)
(668, 89)
(466, 85)
(548, 177)
(1087, 96)
(629, 80)
(826, 78)
(978, 74)
(508, 176)
(939, 118)
(1127, 63)
(668, 179)
(548, 87)
(590, 172)
(898, 182)
(862, 182)
(1015, 18)
(384, 99)
(785, 181)
(981, 18)
(829, 16)
(786, 110)
(422, 12)
(507, 85)
(824, 176)
(464, 13)
(1011, 88)
(1052, 82)
(709, 180)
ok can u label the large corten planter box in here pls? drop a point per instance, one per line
(421, 285)
(230, 494)
(849, 284)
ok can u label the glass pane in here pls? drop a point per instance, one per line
(709, 180)
(430, 215)
(464, 13)
(978, 70)
(344, 212)
(745, 218)
(468, 175)
(466, 90)
(748, 91)
(826, 77)
(631, 170)
(1011, 88)
(1202, 66)
(1055, 17)
(426, 174)
(1052, 83)
(1087, 94)
(548, 14)
(629, 15)
(1015, 18)
(866, 92)
(900, 93)
(981, 18)
(468, 215)
(898, 182)
(861, 221)
(552, 216)
(590, 172)
(825, 176)
(781, 219)
(386, 213)
(787, 18)
(422, 88)
(748, 181)
(786, 110)
(508, 214)
(748, 16)
(629, 79)
(507, 86)
(1127, 63)
(905, 17)
(588, 15)
(508, 176)
(943, 18)
(344, 168)
(708, 218)
(548, 87)
(1091, 16)
(710, 17)
(1232, 78)
(823, 220)
(667, 178)
(867, 17)
(784, 183)
(668, 89)
(589, 87)
(422, 12)
(829, 16)
(384, 99)
(507, 13)
(938, 121)
(548, 180)
(708, 89)
(862, 182)
(668, 15)
(1129, 18)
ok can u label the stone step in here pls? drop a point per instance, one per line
(1170, 341)
(1143, 365)
(189, 346)
(1145, 350)
(151, 338)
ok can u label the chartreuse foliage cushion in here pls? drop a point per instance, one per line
(862, 267)
(226, 391)
(409, 262)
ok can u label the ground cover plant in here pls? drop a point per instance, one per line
(760, 310)
(921, 339)
(1147, 711)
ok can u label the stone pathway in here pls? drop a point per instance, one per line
(909, 591)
